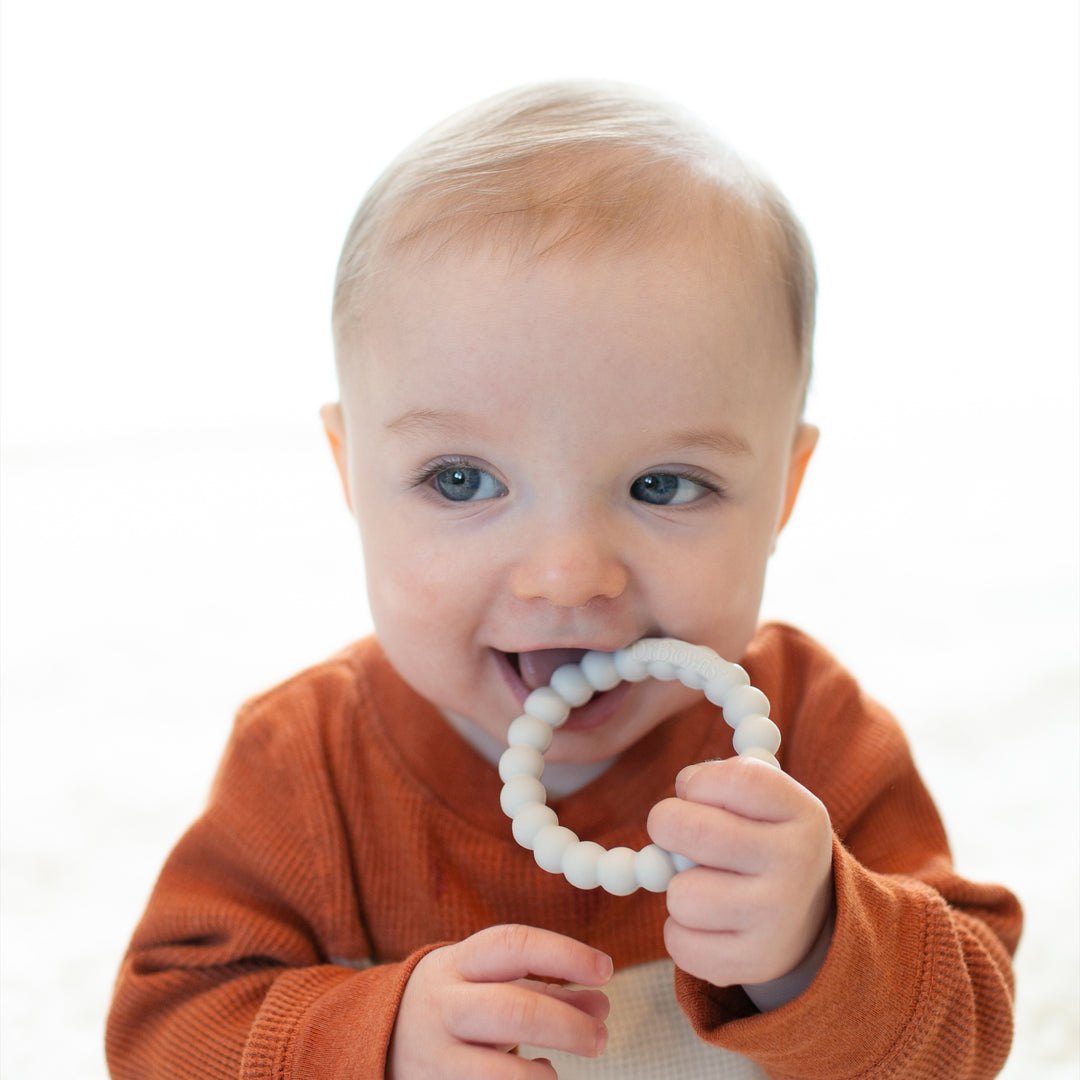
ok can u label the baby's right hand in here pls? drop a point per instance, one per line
(466, 1005)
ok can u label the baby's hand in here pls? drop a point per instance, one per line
(759, 898)
(466, 1005)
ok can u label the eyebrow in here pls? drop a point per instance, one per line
(414, 421)
(450, 421)
(723, 442)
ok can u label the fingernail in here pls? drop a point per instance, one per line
(607, 967)
(686, 773)
(601, 1040)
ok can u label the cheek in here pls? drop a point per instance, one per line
(715, 600)
(406, 588)
(414, 579)
(414, 616)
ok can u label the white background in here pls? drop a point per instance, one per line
(177, 179)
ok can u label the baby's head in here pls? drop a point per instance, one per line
(573, 335)
(569, 168)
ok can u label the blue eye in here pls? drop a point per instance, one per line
(465, 483)
(667, 489)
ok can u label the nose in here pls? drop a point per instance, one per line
(569, 565)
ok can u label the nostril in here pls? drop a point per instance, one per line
(569, 567)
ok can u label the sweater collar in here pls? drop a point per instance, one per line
(441, 763)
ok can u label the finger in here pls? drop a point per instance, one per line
(718, 902)
(592, 1002)
(738, 957)
(505, 1014)
(743, 786)
(464, 1062)
(547, 1062)
(505, 953)
(709, 835)
(718, 958)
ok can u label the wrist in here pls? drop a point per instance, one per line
(772, 995)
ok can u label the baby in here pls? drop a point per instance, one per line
(573, 336)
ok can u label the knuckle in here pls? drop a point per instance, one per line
(512, 939)
(523, 1012)
(453, 1009)
(703, 834)
(703, 830)
(693, 910)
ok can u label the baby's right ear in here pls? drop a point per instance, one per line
(334, 426)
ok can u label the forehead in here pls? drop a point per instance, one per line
(581, 204)
(700, 320)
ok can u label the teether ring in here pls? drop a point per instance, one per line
(536, 827)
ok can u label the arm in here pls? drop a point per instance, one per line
(229, 972)
(916, 980)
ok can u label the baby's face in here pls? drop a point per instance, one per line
(569, 455)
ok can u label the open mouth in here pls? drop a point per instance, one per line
(536, 668)
(529, 670)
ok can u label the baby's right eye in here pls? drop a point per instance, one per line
(466, 483)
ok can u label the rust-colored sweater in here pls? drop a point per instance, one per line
(349, 830)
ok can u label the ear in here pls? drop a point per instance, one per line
(806, 438)
(334, 426)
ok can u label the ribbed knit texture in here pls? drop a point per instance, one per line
(650, 1038)
(347, 820)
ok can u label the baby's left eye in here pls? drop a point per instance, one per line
(466, 483)
(667, 489)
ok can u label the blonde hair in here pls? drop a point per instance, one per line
(553, 165)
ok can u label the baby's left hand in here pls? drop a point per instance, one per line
(759, 898)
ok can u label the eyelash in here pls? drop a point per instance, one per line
(708, 494)
(428, 472)
(693, 476)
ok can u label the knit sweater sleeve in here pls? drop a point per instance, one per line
(251, 960)
(917, 983)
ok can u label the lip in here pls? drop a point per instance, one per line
(594, 713)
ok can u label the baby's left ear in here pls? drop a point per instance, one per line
(806, 438)
(334, 426)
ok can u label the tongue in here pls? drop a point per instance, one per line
(536, 667)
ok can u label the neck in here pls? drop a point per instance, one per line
(560, 778)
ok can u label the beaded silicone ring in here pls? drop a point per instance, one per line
(586, 865)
